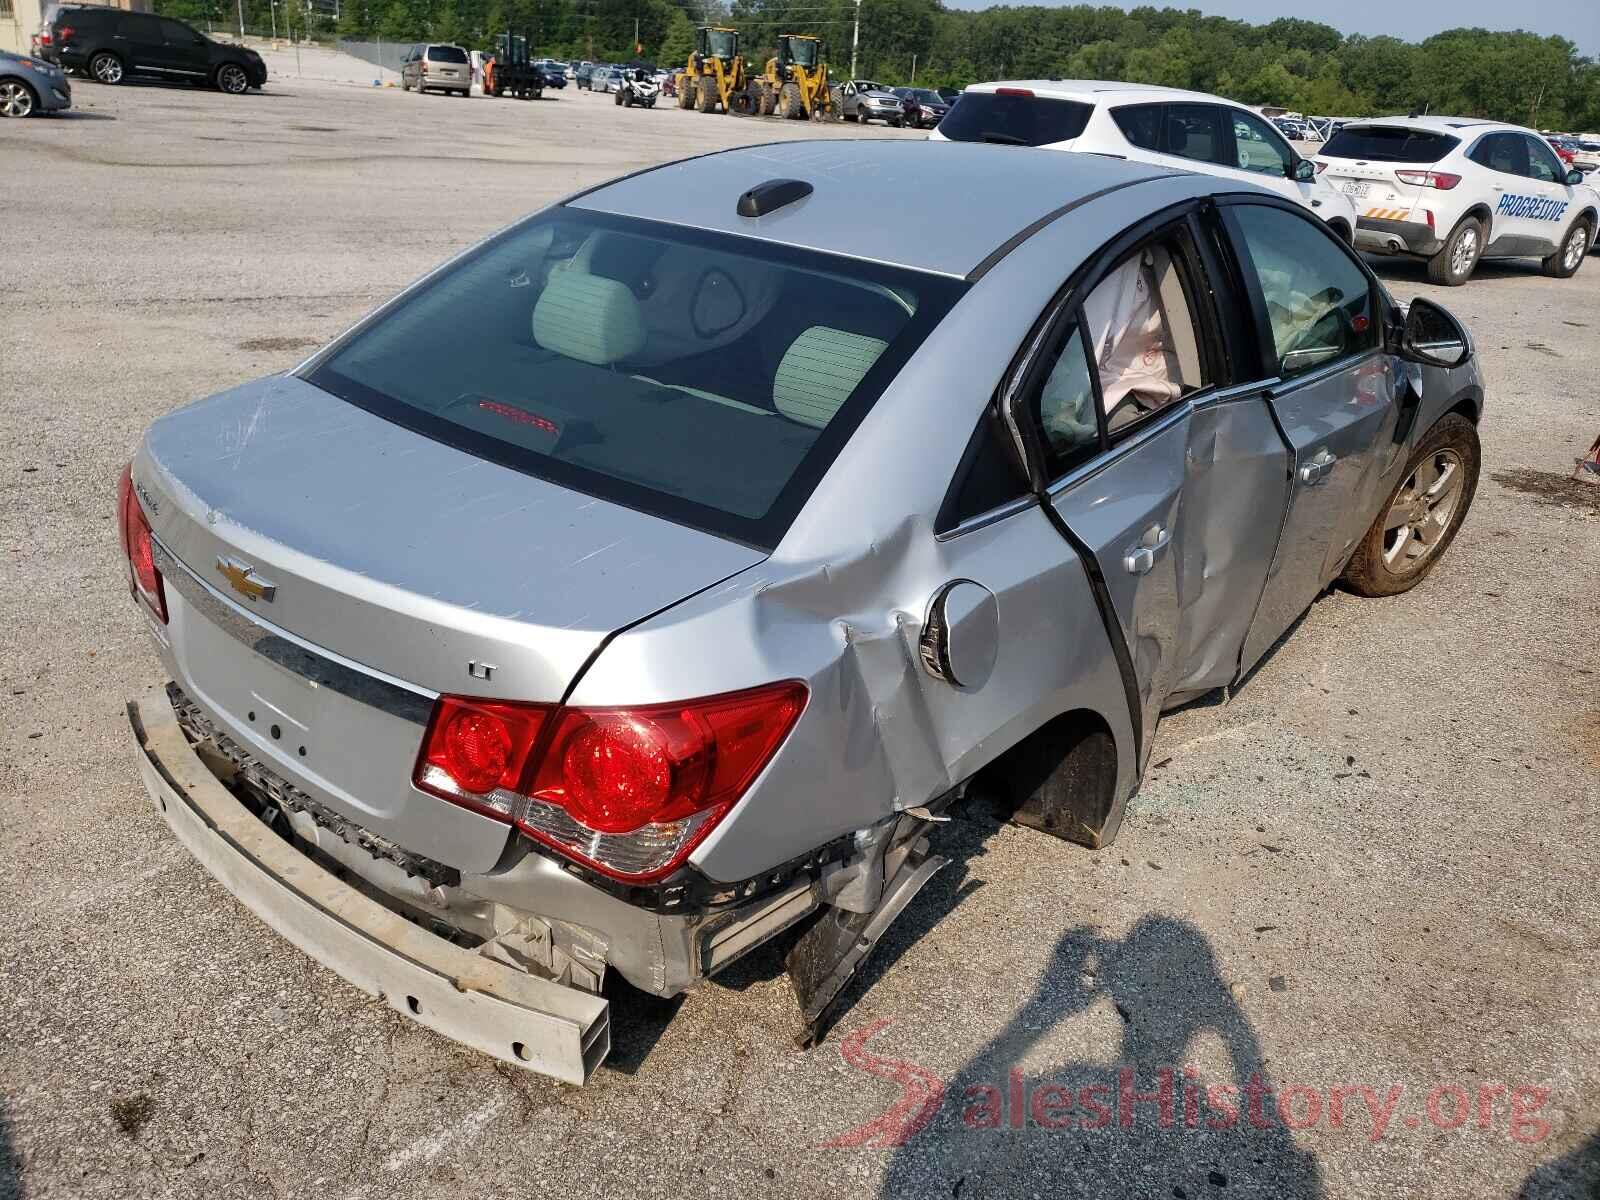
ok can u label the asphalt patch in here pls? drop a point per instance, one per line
(1547, 487)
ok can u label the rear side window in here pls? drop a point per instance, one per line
(1383, 143)
(1319, 303)
(1195, 131)
(1140, 124)
(707, 379)
(447, 54)
(1014, 119)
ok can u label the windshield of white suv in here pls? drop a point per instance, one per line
(705, 378)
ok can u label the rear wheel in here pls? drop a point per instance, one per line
(1564, 263)
(686, 92)
(232, 79)
(1452, 265)
(1424, 512)
(705, 97)
(835, 103)
(16, 99)
(790, 105)
(106, 67)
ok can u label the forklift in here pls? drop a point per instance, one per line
(510, 71)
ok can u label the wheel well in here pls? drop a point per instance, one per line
(1342, 229)
(1481, 211)
(1469, 404)
(1062, 778)
(1590, 216)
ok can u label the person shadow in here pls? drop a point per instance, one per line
(1153, 1117)
(10, 1163)
(1573, 1176)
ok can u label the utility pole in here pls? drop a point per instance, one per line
(913, 70)
(855, 40)
(241, 19)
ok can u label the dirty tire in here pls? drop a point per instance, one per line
(1386, 561)
(836, 103)
(106, 67)
(620, 100)
(790, 106)
(1062, 781)
(1453, 264)
(1569, 256)
(705, 96)
(686, 92)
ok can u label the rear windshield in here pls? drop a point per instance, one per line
(1014, 120)
(1383, 143)
(450, 54)
(707, 379)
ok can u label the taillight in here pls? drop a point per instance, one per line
(628, 791)
(44, 38)
(66, 32)
(1442, 180)
(144, 581)
(1319, 165)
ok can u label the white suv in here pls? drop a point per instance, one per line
(1193, 130)
(1455, 190)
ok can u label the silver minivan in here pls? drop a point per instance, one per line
(443, 68)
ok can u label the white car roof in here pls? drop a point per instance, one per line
(1460, 127)
(1097, 91)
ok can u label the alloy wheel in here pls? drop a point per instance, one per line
(1422, 511)
(107, 68)
(15, 99)
(1577, 247)
(231, 79)
(1466, 251)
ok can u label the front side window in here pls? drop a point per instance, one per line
(176, 33)
(1257, 147)
(1319, 302)
(1543, 165)
(705, 378)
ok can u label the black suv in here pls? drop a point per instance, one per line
(111, 45)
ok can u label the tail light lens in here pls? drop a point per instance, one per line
(1442, 180)
(627, 791)
(64, 33)
(143, 578)
(1319, 165)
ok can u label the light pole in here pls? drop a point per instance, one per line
(855, 40)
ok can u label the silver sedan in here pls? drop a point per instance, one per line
(657, 573)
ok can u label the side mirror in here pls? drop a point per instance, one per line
(1302, 170)
(1574, 177)
(1433, 337)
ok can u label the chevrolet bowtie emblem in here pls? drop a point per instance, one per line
(244, 580)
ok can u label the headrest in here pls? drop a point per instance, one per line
(1177, 136)
(819, 371)
(589, 318)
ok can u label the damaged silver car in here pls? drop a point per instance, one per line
(647, 581)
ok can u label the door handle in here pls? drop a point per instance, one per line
(1315, 471)
(1141, 559)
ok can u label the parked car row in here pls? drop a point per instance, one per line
(1450, 191)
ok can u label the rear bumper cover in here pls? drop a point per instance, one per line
(1391, 237)
(516, 1017)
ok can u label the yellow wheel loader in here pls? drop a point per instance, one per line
(715, 76)
(795, 83)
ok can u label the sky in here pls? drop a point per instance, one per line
(1576, 20)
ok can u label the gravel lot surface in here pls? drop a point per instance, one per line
(1374, 868)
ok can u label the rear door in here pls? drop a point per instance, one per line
(1333, 392)
(1136, 428)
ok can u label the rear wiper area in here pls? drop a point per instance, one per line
(1002, 139)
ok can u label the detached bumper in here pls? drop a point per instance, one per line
(1396, 237)
(521, 1019)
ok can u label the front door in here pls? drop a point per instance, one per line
(183, 52)
(1333, 392)
(140, 42)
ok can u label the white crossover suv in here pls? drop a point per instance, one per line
(1192, 130)
(1455, 190)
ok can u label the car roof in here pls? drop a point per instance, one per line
(1099, 91)
(1460, 127)
(971, 197)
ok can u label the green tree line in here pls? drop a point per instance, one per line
(1299, 64)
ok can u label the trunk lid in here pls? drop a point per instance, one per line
(1374, 188)
(394, 562)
